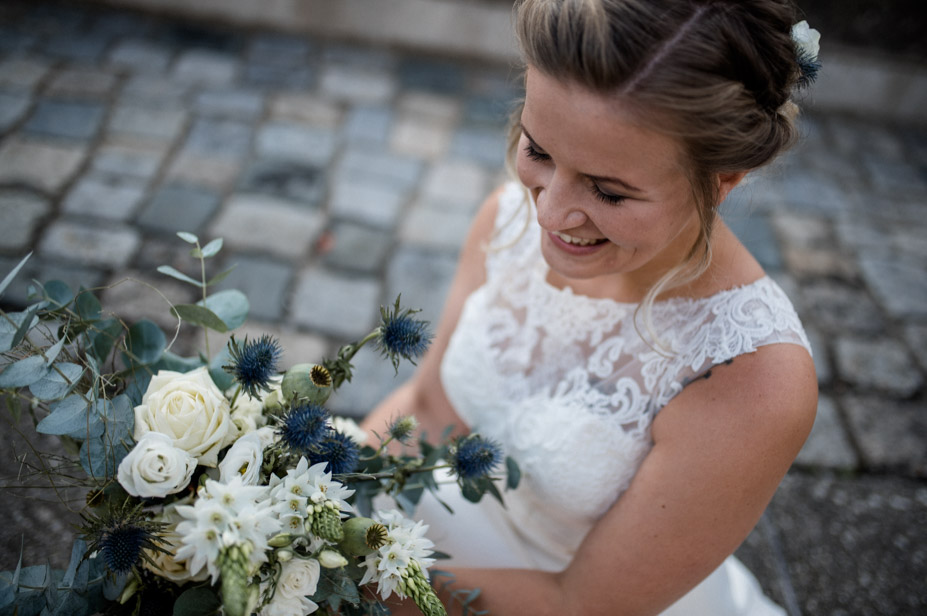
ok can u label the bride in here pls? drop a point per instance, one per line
(610, 332)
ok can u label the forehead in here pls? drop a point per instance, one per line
(594, 130)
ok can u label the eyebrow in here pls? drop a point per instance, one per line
(595, 178)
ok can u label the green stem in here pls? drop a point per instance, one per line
(203, 279)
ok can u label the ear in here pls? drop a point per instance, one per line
(727, 182)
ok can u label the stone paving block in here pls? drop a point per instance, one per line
(356, 85)
(271, 77)
(443, 77)
(456, 184)
(373, 204)
(68, 119)
(357, 247)
(277, 49)
(13, 108)
(820, 262)
(882, 364)
(298, 183)
(131, 160)
(133, 296)
(364, 164)
(368, 123)
(151, 90)
(369, 57)
(305, 108)
(808, 193)
(264, 224)
(43, 270)
(436, 229)
(84, 82)
(287, 141)
(214, 173)
(422, 277)
(374, 379)
(484, 145)
(420, 137)
(104, 196)
(157, 123)
(21, 212)
(205, 67)
(219, 138)
(435, 107)
(81, 47)
(178, 207)
(335, 304)
(230, 103)
(828, 445)
(851, 135)
(800, 231)
(916, 336)
(263, 281)
(838, 307)
(894, 177)
(854, 545)
(899, 284)
(821, 355)
(890, 434)
(488, 111)
(140, 56)
(43, 165)
(93, 245)
(756, 234)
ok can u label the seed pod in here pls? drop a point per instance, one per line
(362, 536)
(307, 383)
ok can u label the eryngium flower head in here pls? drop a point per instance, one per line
(402, 336)
(338, 450)
(254, 363)
(121, 536)
(303, 427)
(402, 428)
(474, 456)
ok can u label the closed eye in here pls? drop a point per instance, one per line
(534, 154)
(604, 196)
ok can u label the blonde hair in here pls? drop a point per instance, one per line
(715, 74)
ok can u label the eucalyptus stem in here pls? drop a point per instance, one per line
(199, 251)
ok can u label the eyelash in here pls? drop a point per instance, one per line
(532, 153)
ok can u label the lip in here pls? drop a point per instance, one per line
(573, 249)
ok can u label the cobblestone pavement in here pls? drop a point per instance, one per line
(340, 175)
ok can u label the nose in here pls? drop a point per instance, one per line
(557, 205)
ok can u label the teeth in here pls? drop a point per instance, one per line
(576, 241)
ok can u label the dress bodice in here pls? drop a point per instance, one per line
(569, 386)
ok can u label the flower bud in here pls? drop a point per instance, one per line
(280, 540)
(402, 428)
(129, 590)
(307, 383)
(331, 559)
(284, 555)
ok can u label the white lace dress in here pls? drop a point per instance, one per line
(562, 380)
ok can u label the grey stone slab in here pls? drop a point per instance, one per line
(68, 119)
(149, 90)
(205, 67)
(828, 445)
(483, 145)
(219, 138)
(356, 247)
(81, 83)
(916, 337)
(140, 56)
(292, 181)
(136, 295)
(366, 164)
(305, 108)
(374, 379)
(272, 77)
(263, 281)
(420, 137)
(13, 108)
(455, 184)
(304, 144)
(377, 205)
(854, 545)
(340, 306)
(357, 84)
(215, 173)
(434, 228)
(22, 73)
(890, 434)
(898, 284)
(106, 246)
(259, 223)
(838, 307)
(423, 278)
(46, 166)
(489, 111)
(882, 364)
(179, 208)
(368, 123)
(359, 56)
(21, 212)
(104, 196)
(810, 193)
(444, 77)
(157, 123)
(230, 103)
(137, 162)
(757, 235)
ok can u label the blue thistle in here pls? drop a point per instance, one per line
(808, 69)
(254, 363)
(401, 336)
(475, 457)
(121, 536)
(303, 427)
(339, 450)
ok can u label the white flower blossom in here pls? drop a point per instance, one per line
(807, 39)
(405, 542)
(298, 580)
(155, 468)
(248, 412)
(245, 457)
(165, 563)
(291, 494)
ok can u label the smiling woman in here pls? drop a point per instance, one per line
(640, 474)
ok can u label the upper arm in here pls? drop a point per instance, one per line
(720, 450)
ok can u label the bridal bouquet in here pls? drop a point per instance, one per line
(214, 483)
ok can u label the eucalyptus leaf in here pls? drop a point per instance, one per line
(174, 273)
(87, 306)
(24, 372)
(57, 383)
(10, 328)
(220, 377)
(220, 276)
(230, 305)
(58, 293)
(100, 456)
(212, 248)
(28, 323)
(198, 315)
(188, 237)
(76, 575)
(70, 417)
(145, 342)
(513, 473)
(51, 354)
(104, 337)
(197, 601)
(9, 277)
(172, 361)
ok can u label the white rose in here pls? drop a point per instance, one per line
(807, 39)
(165, 563)
(189, 408)
(299, 578)
(284, 606)
(245, 457)
(155, 468)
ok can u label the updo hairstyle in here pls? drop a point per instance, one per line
(715, 74)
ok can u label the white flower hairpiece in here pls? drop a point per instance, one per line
(807, 46)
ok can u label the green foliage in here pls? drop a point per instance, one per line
(197, 601)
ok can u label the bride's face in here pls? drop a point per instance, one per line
(612, 197)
